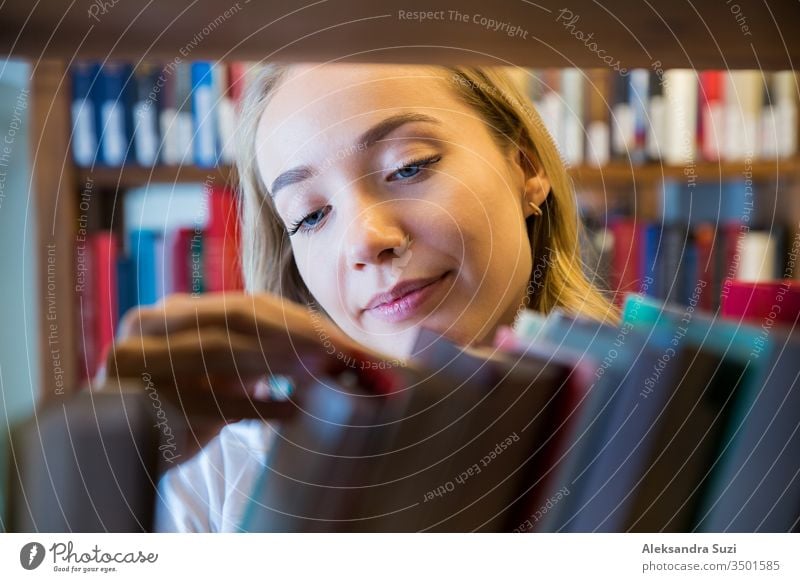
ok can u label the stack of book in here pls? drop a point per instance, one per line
(684, 264)
(672, 421)
(173, 114)
(152, 259)
(676, 116)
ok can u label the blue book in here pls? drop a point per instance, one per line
(114, 110)
(625, 448)
(84, 131)
(709, 372)
(143, 256)
(650, 250)
(204, 103)
(616, 370)
(126, 291)
(146, 113)
(757, 485)
(639, 100)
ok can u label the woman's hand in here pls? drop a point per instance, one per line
(208, 354)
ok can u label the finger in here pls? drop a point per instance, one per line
(245, 314)
(216, 352)
(190, 353)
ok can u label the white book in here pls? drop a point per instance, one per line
(680, 135)
(623, 120)
(145, 123)
(171, 143)
(743, 107)
(550, 109)
(757, 252)
(657, 112)
(572, 85)
(768, 133)
(598, 143)
(785, 97)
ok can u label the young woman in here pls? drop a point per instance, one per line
(376, 200)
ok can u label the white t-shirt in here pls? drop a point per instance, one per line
(210, 491)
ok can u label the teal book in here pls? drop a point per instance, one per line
(703, 413)
(757, 485)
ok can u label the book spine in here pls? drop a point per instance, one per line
(142, 248)
(204, 102)
(680, 138)
(104, 255)
(623, 124)
(146, 115)
(85, 306)
(572, 89)
(84, 76)
(639, 100)
(598, 135)
(712, 114)
(114, 130)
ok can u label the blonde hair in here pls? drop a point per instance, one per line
(558, 277)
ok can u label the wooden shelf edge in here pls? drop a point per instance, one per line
(613, 173)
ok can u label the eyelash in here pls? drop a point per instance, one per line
(421, 163)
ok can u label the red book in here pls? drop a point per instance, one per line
(711, 119)
(221, 262)
(762, 301)
(186, 269)
(625, 262)
(237, 73)
(705, 238)
(104, 255)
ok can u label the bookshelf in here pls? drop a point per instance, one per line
(612, 173)
(54, 35)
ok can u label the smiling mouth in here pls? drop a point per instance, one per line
(405, 299)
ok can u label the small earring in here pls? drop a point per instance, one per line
(536, 210)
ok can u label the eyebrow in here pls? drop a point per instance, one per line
(366, 140)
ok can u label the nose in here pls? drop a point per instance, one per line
(374, 236)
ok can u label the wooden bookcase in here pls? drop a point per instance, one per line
(51, 35)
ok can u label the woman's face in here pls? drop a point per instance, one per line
(402, 209)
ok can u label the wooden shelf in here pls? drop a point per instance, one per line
(613, 174)
(636, 34)
(618, 172)
(134, 176)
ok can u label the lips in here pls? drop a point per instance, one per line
(401, 289)
(404, 299)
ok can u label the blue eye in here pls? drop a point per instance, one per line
(309, 221)
(412, 169)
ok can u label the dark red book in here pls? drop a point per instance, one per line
(729, 257)
(104, 255)
(186, 260)
(705, 240)
(762, 301)
(85, 308)
(626, 259)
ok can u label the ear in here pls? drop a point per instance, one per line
(536, 185)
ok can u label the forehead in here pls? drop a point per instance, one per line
(318, 109)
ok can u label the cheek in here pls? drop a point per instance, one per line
(317, 268)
